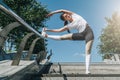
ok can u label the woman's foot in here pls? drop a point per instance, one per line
(87, 72)
(44, 33)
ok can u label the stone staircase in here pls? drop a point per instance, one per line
(70, 71)
(76, 71)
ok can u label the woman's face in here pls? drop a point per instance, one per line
(67, 16)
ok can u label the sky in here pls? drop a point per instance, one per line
(94, 12)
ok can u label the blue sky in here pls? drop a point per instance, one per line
(94, 11)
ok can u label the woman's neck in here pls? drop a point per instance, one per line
(71, 20)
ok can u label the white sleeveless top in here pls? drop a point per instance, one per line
(78, 23)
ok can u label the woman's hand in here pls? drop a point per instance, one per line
(50, 14)
(45, 29)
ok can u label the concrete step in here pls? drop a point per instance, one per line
(31, 76)
(76, 71)
(79, 68)
(8, 72)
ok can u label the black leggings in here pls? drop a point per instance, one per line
(86, 35)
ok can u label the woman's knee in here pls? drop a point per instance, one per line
(66, 37)
(89, 46)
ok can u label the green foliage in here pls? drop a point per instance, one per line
(40, 46)
(110, 37)
(29, 10)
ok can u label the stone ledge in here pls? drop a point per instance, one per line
(6, 70)
(80, 75)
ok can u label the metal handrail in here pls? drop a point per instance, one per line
(7, 10)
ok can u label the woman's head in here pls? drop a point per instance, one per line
(65, 16)
(65, 21)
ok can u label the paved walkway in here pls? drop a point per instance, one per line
(7, 70)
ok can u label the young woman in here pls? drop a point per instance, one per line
(75, 22)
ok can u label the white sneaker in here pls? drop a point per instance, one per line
(87, 72)
(43, 32)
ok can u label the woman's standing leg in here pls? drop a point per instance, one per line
(88, 55)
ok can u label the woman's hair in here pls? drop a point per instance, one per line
(61, 17)
(65, 22)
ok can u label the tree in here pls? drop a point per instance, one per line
(110, 37)
(31, 11)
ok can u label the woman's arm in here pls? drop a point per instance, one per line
(59, 11)
(57, 30)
